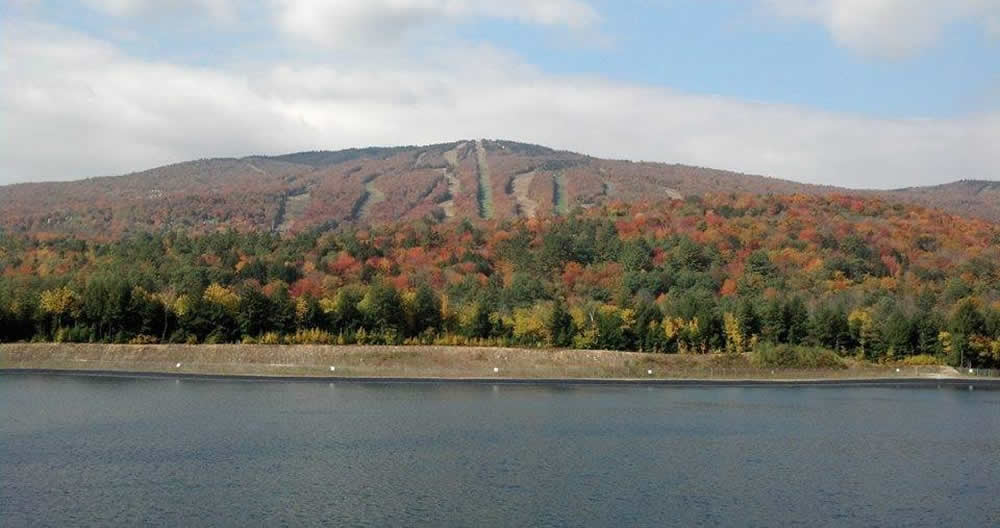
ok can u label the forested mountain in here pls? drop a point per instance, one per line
(467, 179)
(723, 272)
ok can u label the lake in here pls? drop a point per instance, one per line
(77, 450)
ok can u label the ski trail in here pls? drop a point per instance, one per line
(522, 185)
(485, 192)
(454, 185)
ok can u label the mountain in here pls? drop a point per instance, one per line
(478, 179)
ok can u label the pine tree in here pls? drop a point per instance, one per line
(425, 313)
(560, 325)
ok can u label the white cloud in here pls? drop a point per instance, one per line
(889, 28)
(343, 22)
(993, 26)
(75, 107)
(221, 9)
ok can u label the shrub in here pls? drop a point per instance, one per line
(767, 355)
(270, 338)
(143, 339)
(921, 360)
(312, 336)
(79, 334)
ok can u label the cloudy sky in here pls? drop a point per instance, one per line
(861, 93)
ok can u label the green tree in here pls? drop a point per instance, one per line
(425, 311)
(760, 263)
(560, 325)
(254, 313)
(637, 256)
(382, 308)
(283, 314)
(829, 328)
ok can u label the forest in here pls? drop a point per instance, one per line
(722, 273)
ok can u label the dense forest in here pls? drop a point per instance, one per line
(720, 273)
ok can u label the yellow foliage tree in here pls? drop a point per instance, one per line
(736, 342)
(529, 324)
(182, 305)
(862, 326)
(58, 302)
(947, 344)
(328, 305)
(218, 294)
(301, 310)
(684, 333)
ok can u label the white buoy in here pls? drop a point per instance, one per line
(178, 365)
(496, 369)
(332, 368)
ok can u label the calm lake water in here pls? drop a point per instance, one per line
(78, 451)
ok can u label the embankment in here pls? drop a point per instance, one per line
(429, 362)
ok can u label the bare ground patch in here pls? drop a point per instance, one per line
(522, 185)
(369, 197)
(294, 207)
(454, 185)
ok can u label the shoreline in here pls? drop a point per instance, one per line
(922, 382)
(441, 364)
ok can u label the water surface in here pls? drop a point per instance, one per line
(78, 451)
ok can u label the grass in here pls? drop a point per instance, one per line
(789, 356)
(369, 197)
(485, 192)
(418, 362)
(559, 199)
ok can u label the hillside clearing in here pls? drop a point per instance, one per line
(560, 202)
(369, 197)
(485, 192)
(293, 209)
(522, 184)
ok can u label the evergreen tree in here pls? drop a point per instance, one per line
(425, 311)
(749, 321)
(560, 325)
(773, 325)
(637, 256)
(796, 317)
(828, 328)
(480, 325)
(382, 309)
(254, 316)
(282, 312)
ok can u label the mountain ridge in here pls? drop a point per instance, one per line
(462, 179)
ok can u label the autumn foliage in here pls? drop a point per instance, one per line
(720, 273)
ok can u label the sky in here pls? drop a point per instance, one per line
(856, 93)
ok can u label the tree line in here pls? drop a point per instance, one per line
(695, 277)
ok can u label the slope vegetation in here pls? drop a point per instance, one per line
(467, 179)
